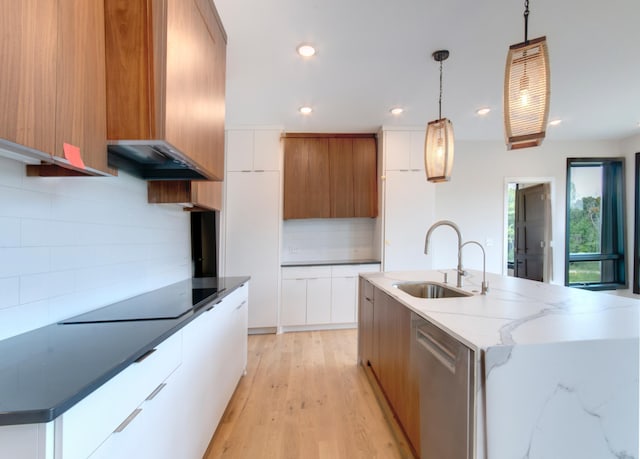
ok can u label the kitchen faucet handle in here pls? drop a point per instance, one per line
(445, 275)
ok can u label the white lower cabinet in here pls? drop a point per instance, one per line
(167, 405)
(321, 295)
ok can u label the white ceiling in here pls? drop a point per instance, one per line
(376, 54)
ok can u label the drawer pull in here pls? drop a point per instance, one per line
(145, 355)
(241, 304)
(156, 391)
(127, 421)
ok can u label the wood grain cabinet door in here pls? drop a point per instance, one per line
(306, 178)
(365, 178)
(341, 174)
(53, 87)
(28, 73)
(81, 99)
(330, 176)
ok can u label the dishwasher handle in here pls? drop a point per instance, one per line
(437, 350)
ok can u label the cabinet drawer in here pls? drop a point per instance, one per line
(353, 270)
(306, 272)
(85, 426)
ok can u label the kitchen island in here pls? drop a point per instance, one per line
(555, 369)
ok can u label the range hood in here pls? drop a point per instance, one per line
(154, 160)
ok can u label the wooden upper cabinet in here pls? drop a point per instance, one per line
(365, 178)
(306, 178)
(166, 62)
(341, 177)
(330, 176)
(53, 87)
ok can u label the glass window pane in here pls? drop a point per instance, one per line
(585, 272)
(585, 219)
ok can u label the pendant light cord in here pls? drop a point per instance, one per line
(440, 100)
(526, 21)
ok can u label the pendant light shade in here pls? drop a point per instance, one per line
(438, 150)
(526, 94)
(526, 91)
(438, 142)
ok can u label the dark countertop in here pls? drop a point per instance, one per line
(46, 371)
(365, 261)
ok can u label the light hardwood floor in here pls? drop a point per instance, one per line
(304, 397)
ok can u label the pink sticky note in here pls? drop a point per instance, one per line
(72, 153)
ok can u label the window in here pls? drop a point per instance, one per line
(595, 257)
(636, 228)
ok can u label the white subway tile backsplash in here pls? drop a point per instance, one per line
(36, 287)
(9, 232)
(18, 261)
(328, 239)
(69, 245)
(22, 318)
(9, 292)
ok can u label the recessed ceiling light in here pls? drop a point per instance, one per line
(396, 110)
(305, 110)
(306, 50)
(555, 122)
(483, 111)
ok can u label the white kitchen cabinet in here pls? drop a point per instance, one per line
(319, 301)
(404, 150)
(213, 362)
(306, 295)
(27, 441)
(321, 296)
(343, 295)
(81, 429)
(409, 209)
(249, 150)
(294, 302)
(154, 422)
(252, 232)
(344, 291)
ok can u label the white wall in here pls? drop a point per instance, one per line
(69, 245)
(474, 198)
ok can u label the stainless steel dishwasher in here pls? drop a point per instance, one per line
(446, 369)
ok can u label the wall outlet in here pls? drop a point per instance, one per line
(293, 250)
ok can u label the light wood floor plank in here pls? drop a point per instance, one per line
(304, 397)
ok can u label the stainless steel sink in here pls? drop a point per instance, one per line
(430, 290)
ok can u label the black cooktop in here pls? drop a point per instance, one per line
(169, 302)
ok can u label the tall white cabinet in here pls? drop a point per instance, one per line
(252, 219)
(409, 202)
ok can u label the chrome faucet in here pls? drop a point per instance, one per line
(460, 271)
(485, 285)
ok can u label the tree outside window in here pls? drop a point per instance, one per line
(595, 223)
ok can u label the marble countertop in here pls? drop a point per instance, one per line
(518, 311)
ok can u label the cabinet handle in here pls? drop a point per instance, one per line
(437, 350)
(259, 170)
(145, 355)
(127, 421)
(213, 305)
(241, 304)
(244, 170)
(156, 391)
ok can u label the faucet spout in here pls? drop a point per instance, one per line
(485, 285)
(449, 223)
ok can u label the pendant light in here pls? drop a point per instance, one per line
(438, 142)
(526, 90)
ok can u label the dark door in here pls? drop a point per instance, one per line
(530, 231)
